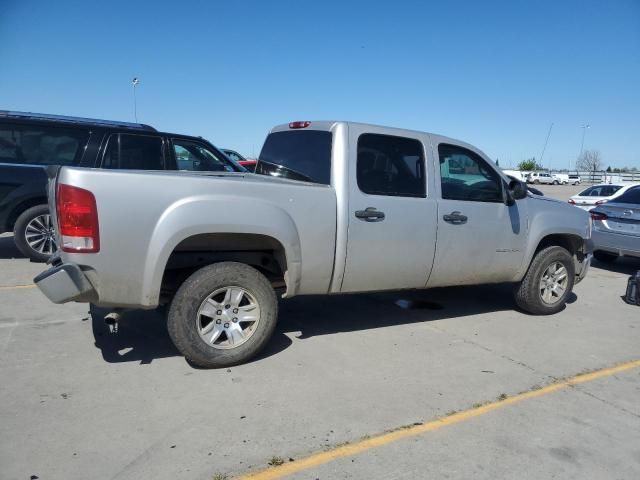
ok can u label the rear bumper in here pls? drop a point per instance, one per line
(65, 283)
(620, 244)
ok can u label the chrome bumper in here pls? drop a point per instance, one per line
(65, 283)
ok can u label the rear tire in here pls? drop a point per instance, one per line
(532, 293)
(33, 233)
(222, 291)
(605, 257)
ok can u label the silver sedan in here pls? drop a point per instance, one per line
(616, 227)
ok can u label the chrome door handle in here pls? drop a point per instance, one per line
(370, 214)
(455, 218)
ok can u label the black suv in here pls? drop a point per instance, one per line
(30, 142)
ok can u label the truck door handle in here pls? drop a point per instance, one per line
(455, 217)
(370, 214)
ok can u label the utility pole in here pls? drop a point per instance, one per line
(135, 82)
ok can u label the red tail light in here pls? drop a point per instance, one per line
(572, 201)
(304, 124)
(77, 219)
(598, 216)
(600, 202)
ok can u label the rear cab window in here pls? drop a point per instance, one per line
(42, 145)
(298, 155)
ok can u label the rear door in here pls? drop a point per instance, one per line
(480, 239)
(391, 212)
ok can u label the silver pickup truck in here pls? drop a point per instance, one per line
(334, 207)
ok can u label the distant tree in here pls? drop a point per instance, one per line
(616, 170)
(529, 165)
(589, 161)
(634, 169)
(609, 169)
(497, 162)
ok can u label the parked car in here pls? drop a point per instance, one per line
(616, 227)
(248, 163)
(29, 142)
(541, 177)
(562, 178)
(335, 207)
(598, 194)
(574, 179)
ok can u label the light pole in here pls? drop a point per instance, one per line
(135, 82)
(584, 131)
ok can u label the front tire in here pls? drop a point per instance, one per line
(549, 281)
(223, 315)
(34, 233)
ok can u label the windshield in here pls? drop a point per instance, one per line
(298, 155)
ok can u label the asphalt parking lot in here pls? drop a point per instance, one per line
(444, 380)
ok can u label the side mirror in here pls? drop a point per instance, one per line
(516, 190)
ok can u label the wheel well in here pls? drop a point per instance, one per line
(21, 207)
(572, 243)
(264, 253)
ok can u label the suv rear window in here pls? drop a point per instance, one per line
(298, 155)
(38, 145)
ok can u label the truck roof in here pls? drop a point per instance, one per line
(329, 124)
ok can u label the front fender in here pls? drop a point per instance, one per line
(218, 214)
(553, 218)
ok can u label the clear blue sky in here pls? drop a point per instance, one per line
(495, 74)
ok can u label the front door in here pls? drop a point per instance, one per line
(392, 216)
(480, 239)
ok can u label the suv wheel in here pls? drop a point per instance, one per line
(548, 282)
(34, 233)
(223, 315)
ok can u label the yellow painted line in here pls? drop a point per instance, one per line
(357, 447)
(13, 287)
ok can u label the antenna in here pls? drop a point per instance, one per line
(545, 143)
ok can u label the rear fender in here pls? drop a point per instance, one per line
(218, 214)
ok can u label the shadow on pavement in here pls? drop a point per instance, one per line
(143, 335)
(8, 249)
(624, 265)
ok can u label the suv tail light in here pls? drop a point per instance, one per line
(77, 220)
(600, 202)
(598, 216)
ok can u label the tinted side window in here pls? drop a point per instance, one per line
(134, 152)
(196, 157)
(389, 165)
(630, 196)
(464, 175)
(41, 145)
